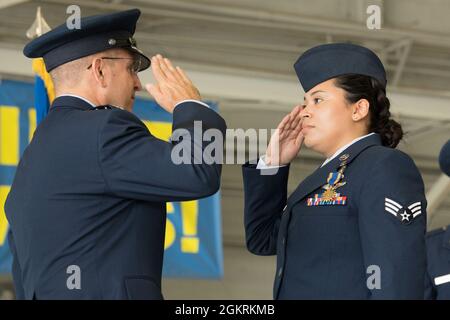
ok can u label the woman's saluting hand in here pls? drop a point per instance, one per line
(287, 140)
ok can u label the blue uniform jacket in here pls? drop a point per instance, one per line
(437, 284)
(90, 192)
(367, 244)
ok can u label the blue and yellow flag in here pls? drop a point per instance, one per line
(44, 92)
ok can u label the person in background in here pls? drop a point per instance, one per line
(437, 286)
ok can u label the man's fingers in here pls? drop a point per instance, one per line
(168, 70)
(168, 64)
(172, 69)
(163, 66)
(183, 75)
(154, 90)
(158, 73)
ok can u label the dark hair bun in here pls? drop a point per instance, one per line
(391, 131)
(364, 87)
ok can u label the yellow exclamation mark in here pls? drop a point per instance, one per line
(9, 135)
(189, 217)
(4, 190)
(170, 229)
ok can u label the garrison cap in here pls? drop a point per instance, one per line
(328, 61)
(97, 33)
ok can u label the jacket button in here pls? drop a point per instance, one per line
(284, 241)
(280, 271)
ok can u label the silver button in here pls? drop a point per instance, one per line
(112, 42)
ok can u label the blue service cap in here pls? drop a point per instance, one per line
(328, 61)
(97, 33)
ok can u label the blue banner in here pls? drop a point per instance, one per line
(193, 244)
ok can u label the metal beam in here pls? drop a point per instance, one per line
(404, 53)
(429, 128)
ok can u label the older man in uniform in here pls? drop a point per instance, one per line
(89, 196)
(437, 283)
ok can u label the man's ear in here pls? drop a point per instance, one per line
(360, 110)
(98, 69)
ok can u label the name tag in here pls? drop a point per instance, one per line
(442, 279)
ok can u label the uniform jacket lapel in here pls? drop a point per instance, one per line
(319, 177)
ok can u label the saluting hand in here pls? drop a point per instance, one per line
(172, 84)
(289, 138)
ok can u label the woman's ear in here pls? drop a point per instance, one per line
(98, 69)
(360, 110)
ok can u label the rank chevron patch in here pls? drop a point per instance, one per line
(404, 214)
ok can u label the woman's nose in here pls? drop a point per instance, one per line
(304, 112)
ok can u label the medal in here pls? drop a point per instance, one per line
(329, 194)
(334, 181)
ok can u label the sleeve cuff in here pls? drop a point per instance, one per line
(190, 100)
(262, 164)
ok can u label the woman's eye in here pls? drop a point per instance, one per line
(317, 100)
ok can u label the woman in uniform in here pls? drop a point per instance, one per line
(355, 228)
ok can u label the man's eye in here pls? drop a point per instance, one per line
(317, 100)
